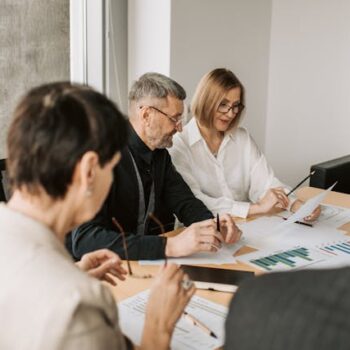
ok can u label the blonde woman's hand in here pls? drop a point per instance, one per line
(102, 264)
(312, 217)
(168, 298)
(273, 197)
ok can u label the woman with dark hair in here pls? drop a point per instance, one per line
(219, 160)
(63, 143)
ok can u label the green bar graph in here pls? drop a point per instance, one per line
(284, 260)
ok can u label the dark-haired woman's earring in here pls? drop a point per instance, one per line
(88, 192)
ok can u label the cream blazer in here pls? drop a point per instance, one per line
(46, 302)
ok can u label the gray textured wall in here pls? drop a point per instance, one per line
(34, 48)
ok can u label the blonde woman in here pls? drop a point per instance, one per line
(219, 160)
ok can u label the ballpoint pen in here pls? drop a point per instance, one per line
(217, 222)
(301, 223)
(300, 183)
(199, 324)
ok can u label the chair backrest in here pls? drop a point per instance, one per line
(3, 192)
(331, 171)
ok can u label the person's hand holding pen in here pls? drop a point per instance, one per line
(278, 197)
(272, 198)
(200, 236)
(207, 235)
(298, 203)
(171, 289)
(228, 229)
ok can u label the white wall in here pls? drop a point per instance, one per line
(148, 37)
(309, 86)
(235, 34)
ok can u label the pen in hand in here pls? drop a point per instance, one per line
(217, 222)
(199, 324)
(300, 183)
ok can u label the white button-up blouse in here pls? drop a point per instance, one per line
(227, 183)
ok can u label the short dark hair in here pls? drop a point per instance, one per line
(155, 85)
(52, 127)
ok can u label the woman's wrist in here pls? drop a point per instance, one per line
(155, 337)
(254, 209)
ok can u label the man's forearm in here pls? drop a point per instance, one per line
(89, 238)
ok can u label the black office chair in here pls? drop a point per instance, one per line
(3, 192)
(331, 171)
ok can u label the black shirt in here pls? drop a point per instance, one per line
(143, 157)
(172, 197)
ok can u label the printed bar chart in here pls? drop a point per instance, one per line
(285, 260)
(336, 248)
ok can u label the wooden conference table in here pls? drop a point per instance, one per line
(133, 286)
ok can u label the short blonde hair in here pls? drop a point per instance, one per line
(209, 94)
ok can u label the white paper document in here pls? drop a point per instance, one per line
(270, 260)
(326, 251)
(333, 216)
(306, 209)
(255, 232)
(261, 234)
(224, 256)
(298, 246)
(186, 335)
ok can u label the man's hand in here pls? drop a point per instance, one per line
(101, 264)
(200, 236)
(203, 237)
(230, 232)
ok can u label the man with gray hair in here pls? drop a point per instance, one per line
(148, 191)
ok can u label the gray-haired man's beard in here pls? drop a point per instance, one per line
(166, 143)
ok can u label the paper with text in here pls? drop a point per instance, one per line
(333, 216)
(186, 336)
(306, 209)
(224, 256)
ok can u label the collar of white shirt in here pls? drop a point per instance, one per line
(194, 135)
